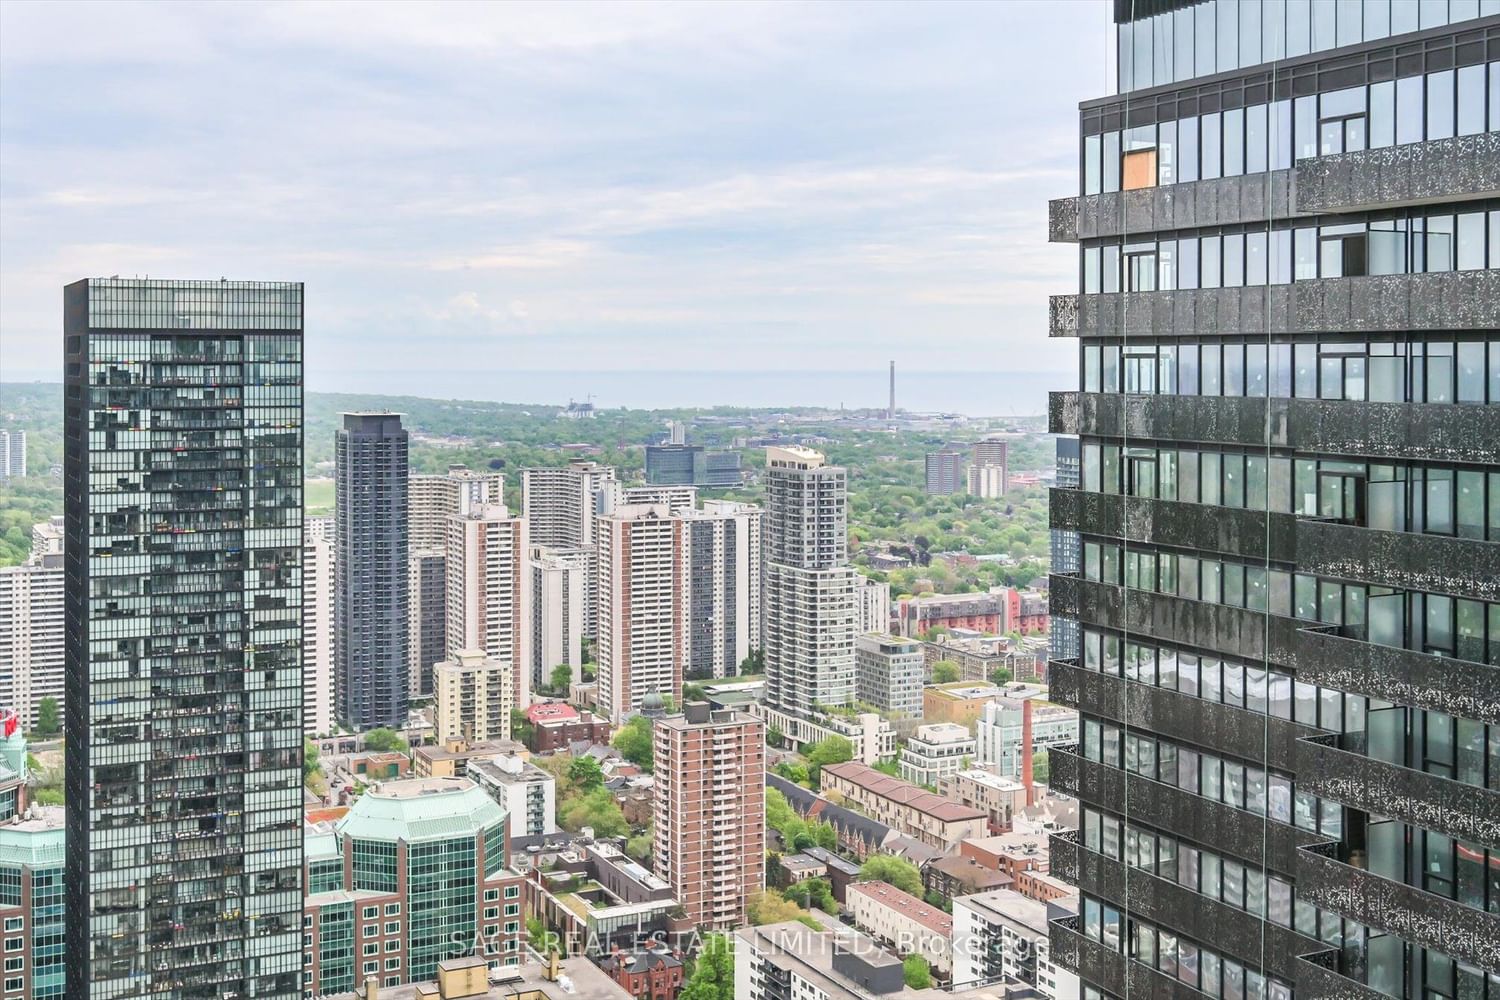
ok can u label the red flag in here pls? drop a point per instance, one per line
(12, 723)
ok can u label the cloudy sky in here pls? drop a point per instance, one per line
(617, 186)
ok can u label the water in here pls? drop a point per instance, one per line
(975, 394)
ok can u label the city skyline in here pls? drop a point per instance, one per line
(685, 165)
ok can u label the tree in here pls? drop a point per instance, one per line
(561, 679)
(596, 809)
(1000, 676)
(753, 663)
(1041, 768)
(916, 972)
(794, 772)
(894, 871)
(521, 729)
(693, 692)
(944, 672)
(47, 721)
(640, 846)
(585, 774)
(386, 740)
(713, 973)
(770, 907)
(635, 743)
(829, 750)
(311, 759)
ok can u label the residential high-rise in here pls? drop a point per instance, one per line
(183, 509)
(1066, 552)
(12, 454)
(370, 569)
(809, 588)
(643, 607)
(474, 697)
(432, 499)
(710, 840)
(1289, 413)
(989, 476)
(427, 631)
(487, 590)
(558, 582)
(560, 506)
(874, 597)
(724, 586)
(318, 715)
(676, 498)
(945, 473)
(889, 673)
(31, 636)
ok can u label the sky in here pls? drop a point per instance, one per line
(615, 187)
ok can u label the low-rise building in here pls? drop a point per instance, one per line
(999, 797)
(982, 612)
(936, 751)
(409, 852)
(594, 897)
(1002, 726)
(839, 871)
(377, 765)
(527, 793)
(646, 973)
(1000, 937)
(873, 738)
(958, 702)
(904, 922)
(888, 674)
(907, 808)
(955, 875)
(800, 868)
(793, 960)
(557, 725)
(1014, 853)
(475, 978)
(450, 759)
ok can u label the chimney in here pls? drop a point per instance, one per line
(1026, 778)
(372, 988)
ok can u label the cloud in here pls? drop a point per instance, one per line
(725, 185)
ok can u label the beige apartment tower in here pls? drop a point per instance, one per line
(487, 592)
(474, 697)
(643, 607)
(710, 812)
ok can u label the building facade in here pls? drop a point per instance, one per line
(989, 476)
(710, 812)
(414, 874)
(558, 583)
(904, 807)
(1000, 937)
(888, 673)
(560, 505)
(643, 607)
(903, 921)
(318, 579)
(31, 636)
(810, 602)
(1003, 724)
(874, 599)
(691, 465)
(724, 586)
(12, 454)
(370, 570)
(489, 592)
(945, 473)
(427, 631)
(935, 751)
(183, 514)
(527, 793)
(432, 499)
(1066, 552)
(1287, 407)
(473, 697)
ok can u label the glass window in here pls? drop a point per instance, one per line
(1208, 263)
(1182, 44)
(1187, 370)
(1090, 270)
(1470, 100)
(1210, 147)
(1377, 19)
(1166, 152)
(1092, 152)
(1470, 240)
(1494, 115)
(1382, 128)
(1234, 260)
(1187, 263)
(1323, 26)
(1211, 372)
(1187, 149)
(1234, 142)
(1471, 372)
(1408, 110)
(1440, 104)
(1403, 17)
(1203, 48)
(1298, 27)
(1110, 268)
(1256, 143)
(1229, 31)
(1111, 161)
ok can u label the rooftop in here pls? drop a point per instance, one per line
(1009, 906)
(888, 895)
(421, 809)
(990, 780)
(579, 979)
(965, 691)
(551, 711)
(34, 838)
(904, 792)
(482, 748)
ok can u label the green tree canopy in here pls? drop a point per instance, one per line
(310, 759)
(829, 750)
(916, 972)
(635, 743)
(596, 809)
(713, 972)
(386, 740)
(944, 672)
(585, 774)
(48, 722)
(893, 871)
(561, 679)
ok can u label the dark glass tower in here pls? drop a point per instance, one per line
(183, 475)
(371, 590)
(1289, 412)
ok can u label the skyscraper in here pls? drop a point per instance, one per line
(487, 590)
(724, 584)
(1288, 598)
(183, 514)
(317, 626)
(710, 812)
(370, 566)
(31, 636)
(558, 581)
(427, 630)
(945, 473)
(811, 607)
(12, 454)
(989, 476)
(432, 499)
(643, 607)
(560, 505)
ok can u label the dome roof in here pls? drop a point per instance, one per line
(653, 705)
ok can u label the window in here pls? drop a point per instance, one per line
(393, 945)
(15, 985)
(392, 909)
(393, 927)
(371, 912)
(391, 964)
(490, 895)
(491, 912)
(372, 948)
(15, 924)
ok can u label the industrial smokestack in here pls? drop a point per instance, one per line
(890, 410)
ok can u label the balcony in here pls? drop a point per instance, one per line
(1175, 716)
(1338, 768)
(1462, 168)
(1232, 631)
(1325, 878)
(1101, 966)
(1335, 657)
(1460, 567)
(1219, 201)
(1243, 834)
(1208, 528)
(1423, 432)
(1228, 930)
(1318, 976)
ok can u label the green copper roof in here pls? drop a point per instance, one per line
(320, 845)
(421, 809)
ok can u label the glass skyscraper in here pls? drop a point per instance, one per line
(183, 478)
(1289, 507)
